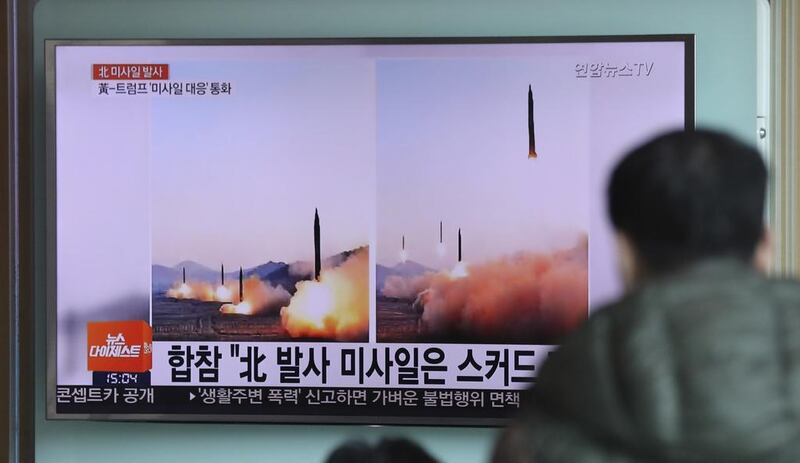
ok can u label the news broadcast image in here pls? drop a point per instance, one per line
(353, 233)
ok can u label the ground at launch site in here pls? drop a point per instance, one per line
(397, 322)
(193, 320)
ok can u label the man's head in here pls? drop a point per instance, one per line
(687, 196)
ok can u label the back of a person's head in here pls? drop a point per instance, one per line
(687, 196)
(351, 452)
(388, 450)
(399, 450)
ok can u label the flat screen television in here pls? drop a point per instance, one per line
(377, 231)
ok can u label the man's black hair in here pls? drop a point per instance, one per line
(401, 450)
(352, 452)
(689, 195)
(388, 450)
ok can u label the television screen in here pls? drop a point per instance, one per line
(351, 231)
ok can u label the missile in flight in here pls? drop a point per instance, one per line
(241, 285)
(403, 253)
(459, 245)
(531, 132)
(222, 274)
(440, 249)
(317, 257)
(184, 275)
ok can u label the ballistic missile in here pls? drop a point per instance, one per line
(459, 245)
(531, 134)
(184, 275)
(440, 232)
(241, 285)
(317, 257)
(222, 274)
(403, 254)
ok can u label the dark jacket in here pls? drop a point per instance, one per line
(702, 366)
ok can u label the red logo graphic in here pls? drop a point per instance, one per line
(120, 346)
(130, 71)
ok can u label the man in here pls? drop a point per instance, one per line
(700, 360)
(388, 450)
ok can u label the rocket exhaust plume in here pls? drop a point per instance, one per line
(254, 296)
(334, 307)
(403, 253)
(531, 133)
(460, 270)
(223, 294)
(183, 291)
(259, 297)
(317, 257)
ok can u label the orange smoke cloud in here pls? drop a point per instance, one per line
(242, 308)
(527, 297)
(401, 287)
(183, 291)
(336, 306)
(259, 296)
(198, 290)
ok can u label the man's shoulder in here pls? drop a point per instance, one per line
(695, 298)
(671, 322)
(671, 357)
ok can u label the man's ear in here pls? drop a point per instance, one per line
(627, 259)
(762, 257)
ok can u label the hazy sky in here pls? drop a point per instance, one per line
(235, 179)
(453, 146)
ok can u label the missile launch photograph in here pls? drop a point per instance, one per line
(262, 209)
(481, 175)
